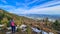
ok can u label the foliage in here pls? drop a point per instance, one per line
(46, 21)
(28, 29)
(1, 17)
(6, 16)
(56, 25)
(5, 20)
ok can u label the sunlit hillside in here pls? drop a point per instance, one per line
(44, 25)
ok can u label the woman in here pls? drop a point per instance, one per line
(13, 27)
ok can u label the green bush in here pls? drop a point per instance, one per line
(56, 25)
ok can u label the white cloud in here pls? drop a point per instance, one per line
(18, 3)
(48, 10)
(48, 4)
(7, 7)
(17, 11)
(13, 9)
(32, 2)
(41, 9)
(4, 1)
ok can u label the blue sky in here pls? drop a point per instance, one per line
(31, 6)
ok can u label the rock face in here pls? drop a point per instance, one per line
(23, 27)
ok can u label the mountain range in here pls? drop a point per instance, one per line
(41, 16)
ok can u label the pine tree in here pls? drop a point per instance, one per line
(46, 21)
(56, 25)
